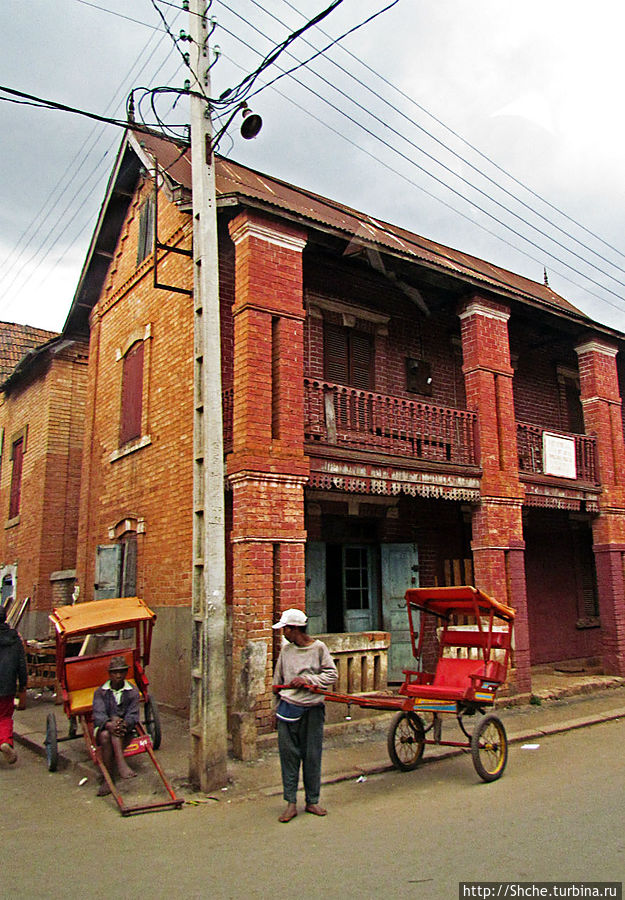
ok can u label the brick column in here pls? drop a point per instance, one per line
(267, 467)
(497, 543)
(601, 402)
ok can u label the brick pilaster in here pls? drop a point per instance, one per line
(267, 467)
(601, 403)
(497, 543)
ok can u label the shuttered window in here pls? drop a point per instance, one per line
(17, 454)
(146, 230)
(348, 357)
(132, 394)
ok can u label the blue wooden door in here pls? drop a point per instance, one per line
(107, 571)
(316, 602)
(400, 571)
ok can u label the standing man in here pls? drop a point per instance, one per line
(13, 678)
(300, 713)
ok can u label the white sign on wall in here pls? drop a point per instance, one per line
(559, 455)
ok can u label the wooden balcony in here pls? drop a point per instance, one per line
(344, 417)
(531, 456)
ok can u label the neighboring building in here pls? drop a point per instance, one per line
(42, 399)
(395, 413)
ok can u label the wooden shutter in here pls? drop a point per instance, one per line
(129, 566)
(16, 478)
(335, 354)
(361, 360)
(348, 357)
(132, 394)
(146, 230)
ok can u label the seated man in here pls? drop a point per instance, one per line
(115, 715)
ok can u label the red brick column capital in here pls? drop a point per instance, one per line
(485, 344)
(597, 371)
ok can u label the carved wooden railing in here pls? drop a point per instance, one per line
(355, 419)
(530, 450)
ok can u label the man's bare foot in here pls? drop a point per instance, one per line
(103, 790)
(316, 810)
(128, 773)
(9, 753)
(289, 813)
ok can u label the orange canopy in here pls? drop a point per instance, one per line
(100, 615)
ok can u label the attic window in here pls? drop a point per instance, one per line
(146, 230)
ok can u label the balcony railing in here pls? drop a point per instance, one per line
(530, 449)
(355, 419)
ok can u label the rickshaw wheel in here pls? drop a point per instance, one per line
(406, 741)
(153, 722)
(52, 753)
(489, 747)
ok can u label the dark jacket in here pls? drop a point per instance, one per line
(105, 706)
(13, 674)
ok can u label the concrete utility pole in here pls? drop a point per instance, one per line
(209, 735)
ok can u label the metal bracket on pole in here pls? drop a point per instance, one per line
(158, 245)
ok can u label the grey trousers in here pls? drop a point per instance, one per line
(301, 743)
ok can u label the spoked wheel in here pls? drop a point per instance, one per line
(489, 747)
(406, 741)
(52, 753)
(153, 722)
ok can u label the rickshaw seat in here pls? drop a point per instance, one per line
(452, 680)
(84, 674)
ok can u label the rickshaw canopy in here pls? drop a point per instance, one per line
(442, 601)
(100, 615)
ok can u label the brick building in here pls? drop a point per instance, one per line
(395, 413)
(44, 379)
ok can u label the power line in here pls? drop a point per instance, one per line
(463, 140)
(37, 223)
(412, 162)
(414, 241)
(453, 152)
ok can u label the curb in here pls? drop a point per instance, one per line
(436, 755)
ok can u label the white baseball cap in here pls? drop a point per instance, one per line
(291, 617)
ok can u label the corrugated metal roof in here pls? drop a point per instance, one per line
(237, 181)
(16, 341)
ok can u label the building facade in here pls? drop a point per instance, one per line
(396, 413)
(41, 423)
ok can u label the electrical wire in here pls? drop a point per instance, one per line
(458, 193)
(39, 220)
(37, 224)
(447, 148)
(414, 240)
(459, 137)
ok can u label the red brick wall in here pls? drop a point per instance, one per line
(154, 483)
(267, 468)
(50, 401)
(537, 356)
(410, 332)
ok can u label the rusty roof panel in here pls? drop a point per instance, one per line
(237, 181)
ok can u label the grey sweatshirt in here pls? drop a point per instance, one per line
(313, 663)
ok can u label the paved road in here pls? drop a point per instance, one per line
(557, 814)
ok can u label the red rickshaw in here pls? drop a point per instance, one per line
(471, 634)
(79, 673)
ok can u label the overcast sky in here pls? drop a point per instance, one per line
(469, 95)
